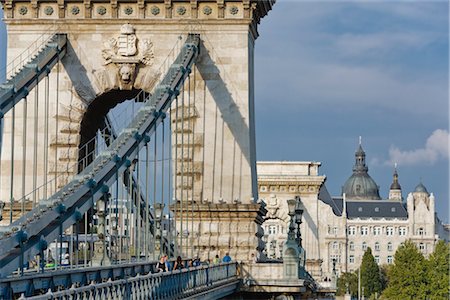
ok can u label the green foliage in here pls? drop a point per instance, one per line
(370, 275)
(384, 271)
(438, 272)
(408, 275)
(349, 280)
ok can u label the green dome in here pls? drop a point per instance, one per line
(420, 188)
(360, 186)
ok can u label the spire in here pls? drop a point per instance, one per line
(395, 185)
(360, 160)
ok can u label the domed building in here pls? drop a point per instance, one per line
(336, 231)
(360, 186)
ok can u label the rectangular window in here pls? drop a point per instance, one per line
(377, 259)
(352, 230)
(390, 259)
(389, 231)
(272, 229)
(351, 259)
(335, 245)
(351, 246)
(402, 231)
(336, 257)
(364, 230)
(377, 230)
(335, 230)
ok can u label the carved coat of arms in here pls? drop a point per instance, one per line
(127, 53)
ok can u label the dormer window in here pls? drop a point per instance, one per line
(360, 208)
(377, 209)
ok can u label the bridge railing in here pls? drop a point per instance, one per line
(18, 62)
(177, 284)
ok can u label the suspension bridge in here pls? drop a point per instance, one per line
(127, 134)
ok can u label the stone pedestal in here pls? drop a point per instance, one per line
(100, 258)
(209, 229)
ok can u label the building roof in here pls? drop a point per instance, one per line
(420, 188)
(360, 186)
(370, 209)
(376, 209)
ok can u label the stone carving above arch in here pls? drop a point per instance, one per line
(272, 207)
(125, 56)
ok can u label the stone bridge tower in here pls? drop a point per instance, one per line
(114, 50)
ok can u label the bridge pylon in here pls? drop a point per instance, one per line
(114, 50)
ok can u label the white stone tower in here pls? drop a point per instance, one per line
(98, 72)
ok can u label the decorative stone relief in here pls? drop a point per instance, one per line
(181, 10)
(48, 10)
(101, 10)
(207, 10)
(155, 10)
(127, 54)
(234, 10)
(128, 10)
(23, 10)
(75, 10)
(272, 207)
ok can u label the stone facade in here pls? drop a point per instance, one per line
(341, 229)
(117, 48)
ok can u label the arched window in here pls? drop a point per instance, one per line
(351, 246)
(377, 246)
(364, 246)
(335, 245)
(389, 246)
(420, 231)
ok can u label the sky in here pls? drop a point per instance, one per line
(329, 72)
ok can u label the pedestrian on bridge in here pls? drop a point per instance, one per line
(216, 259)
(226, 258)
(178, 264)
(161, 265)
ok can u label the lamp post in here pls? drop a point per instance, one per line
(291, 207)
(159, 207)
(2, 206)
(298, 220)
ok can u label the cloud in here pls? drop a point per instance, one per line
(436, 147)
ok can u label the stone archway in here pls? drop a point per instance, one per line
(94, 120)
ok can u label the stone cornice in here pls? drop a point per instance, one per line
(161, 11)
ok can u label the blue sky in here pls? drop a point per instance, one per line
(328, 72)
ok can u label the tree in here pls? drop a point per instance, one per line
(438, 272)
(370, 274)
(347, 280)
(407, 276)
(384, 271)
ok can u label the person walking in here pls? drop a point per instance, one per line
(226, 258)
(216, 260)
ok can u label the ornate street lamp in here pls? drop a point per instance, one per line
(291, 207)
(298, 220)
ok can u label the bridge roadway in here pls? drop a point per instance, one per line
(125, 281)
